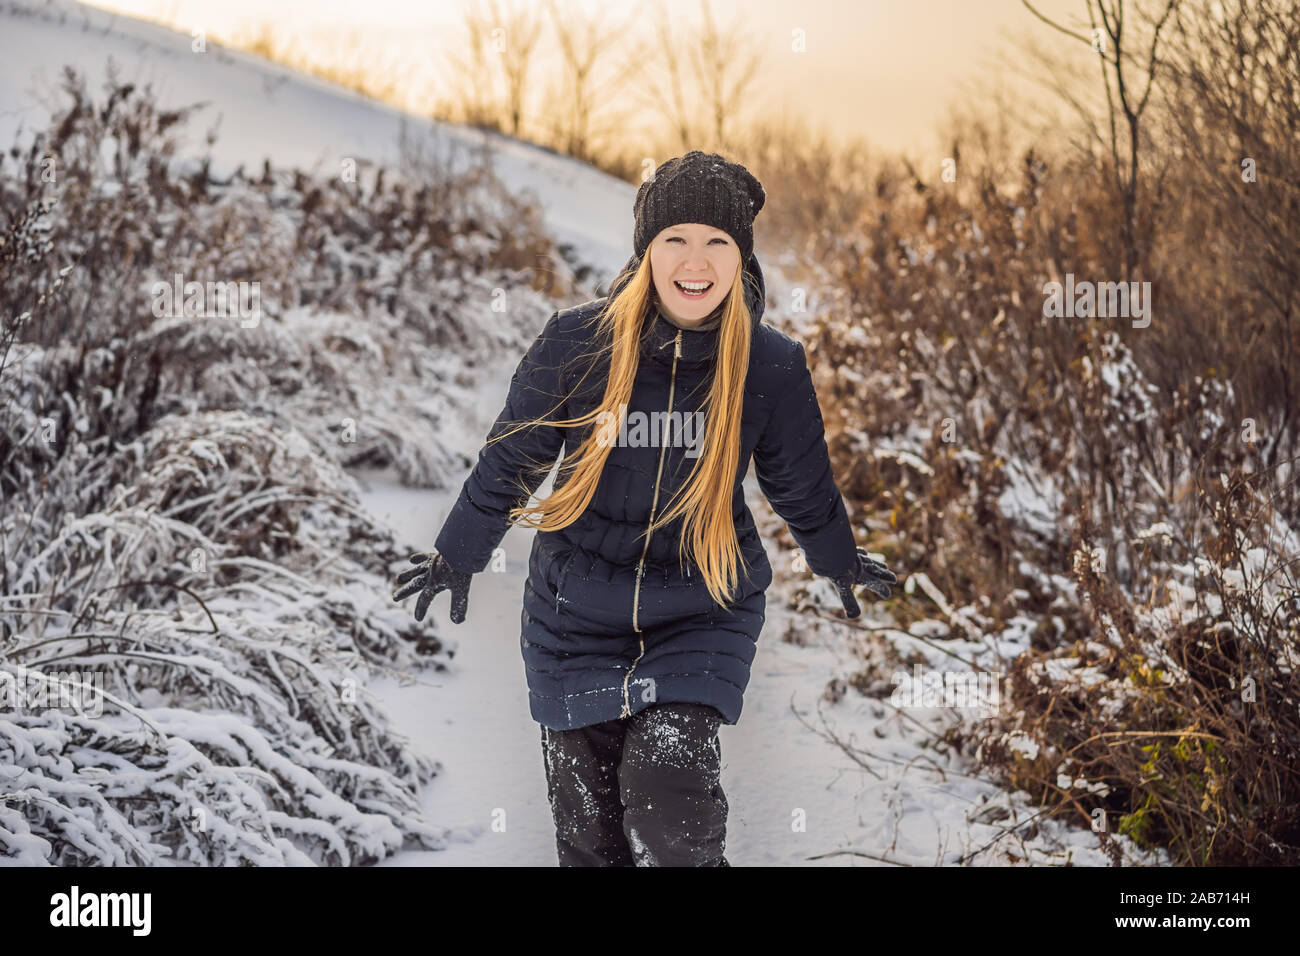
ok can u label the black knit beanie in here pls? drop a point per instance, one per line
(699, 187)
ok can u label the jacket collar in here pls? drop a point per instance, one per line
(699, 346)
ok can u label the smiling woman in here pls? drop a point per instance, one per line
(693, 266)
(646, 588)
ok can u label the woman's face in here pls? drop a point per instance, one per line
(692, 255)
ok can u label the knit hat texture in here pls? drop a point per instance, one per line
(699, 187)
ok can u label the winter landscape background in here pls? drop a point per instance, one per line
(200, 660)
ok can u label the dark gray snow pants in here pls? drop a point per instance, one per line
(639, 791)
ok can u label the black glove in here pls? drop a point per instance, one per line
(869, 573)
(430, 575)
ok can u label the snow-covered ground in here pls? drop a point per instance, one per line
(795, 796)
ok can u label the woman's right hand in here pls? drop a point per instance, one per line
(430, 575)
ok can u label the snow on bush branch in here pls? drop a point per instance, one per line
(177, 524)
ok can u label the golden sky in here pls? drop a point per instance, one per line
(889, 70)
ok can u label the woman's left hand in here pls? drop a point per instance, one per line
(869, 573)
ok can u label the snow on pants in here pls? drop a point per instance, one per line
(639, 791)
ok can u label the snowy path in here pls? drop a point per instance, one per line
(474, 719)
(776, 770)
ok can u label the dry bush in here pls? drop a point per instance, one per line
(997, 451)
(1231, 122)
(380, 286)
(176, 519)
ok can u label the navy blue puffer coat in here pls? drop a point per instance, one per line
(611, 624)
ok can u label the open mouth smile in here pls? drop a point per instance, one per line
(693, 290)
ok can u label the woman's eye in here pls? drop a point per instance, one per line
(714, 239)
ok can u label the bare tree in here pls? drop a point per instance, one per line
(669, 96)
(522, 27)
(705, 72)
(1234, 115)
(475, 68)
(1123, 103)
(587, 90)
(724, 70)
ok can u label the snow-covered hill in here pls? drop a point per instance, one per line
(269, 112)
(900, 803)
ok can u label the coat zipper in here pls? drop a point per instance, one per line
(654, 504)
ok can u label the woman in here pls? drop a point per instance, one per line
(646, 582)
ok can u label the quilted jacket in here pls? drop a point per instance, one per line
(612, 623)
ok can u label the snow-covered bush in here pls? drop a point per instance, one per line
(1135, 530)
(218, 577)
(177, 525)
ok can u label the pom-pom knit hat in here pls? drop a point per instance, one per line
(699, 187)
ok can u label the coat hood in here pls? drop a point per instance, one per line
(699, 346)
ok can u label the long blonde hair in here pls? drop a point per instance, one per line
(705, 498)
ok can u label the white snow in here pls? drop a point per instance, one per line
(796, 796)
(268, 111)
